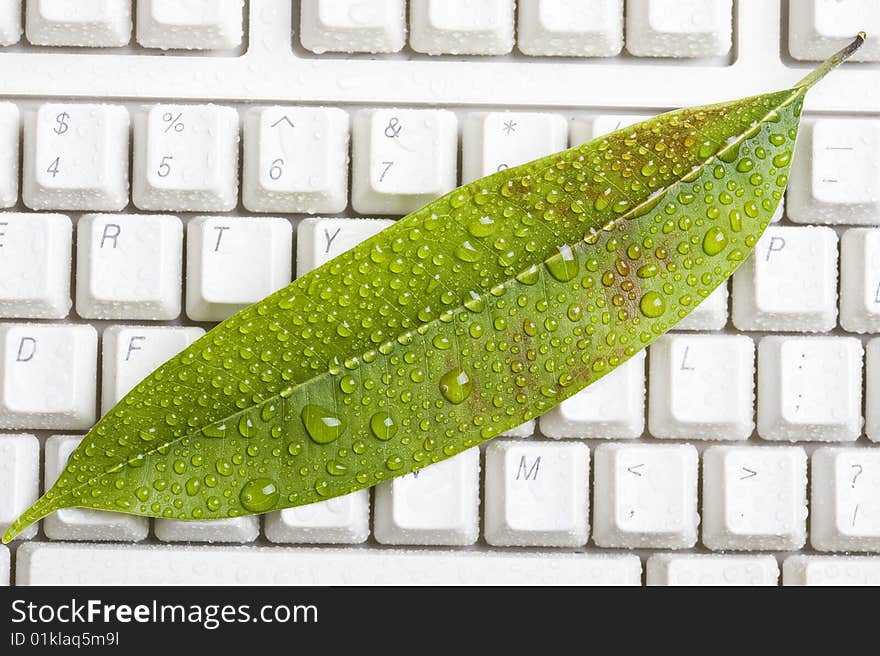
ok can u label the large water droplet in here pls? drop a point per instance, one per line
(383, 425)
(455, 385)
(652, 304)
(259, 495)
(714, 241)
(563, 266)
(321, 425)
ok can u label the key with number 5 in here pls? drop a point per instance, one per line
(186, 158)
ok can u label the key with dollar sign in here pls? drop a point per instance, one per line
(76, 157)
(62, 124)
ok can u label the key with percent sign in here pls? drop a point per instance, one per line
(186, 157)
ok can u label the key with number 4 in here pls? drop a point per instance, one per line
(76, 157)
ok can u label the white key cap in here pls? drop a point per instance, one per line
(495, 141)
(35, 266)
(320, 240)
(343, 520)
(128, 266)
(872, 389)
(130, 353)
(232, 530)
(584, 129)
(353, 25)
(645, 496)
(860, 280)
(9, 119)
(810, 388)
(234, 262)
(612, 407)
(537, 493)
(19, 479)
(5, 570)
(436, 505)
(76, 157)
(702, 387)
(94, 23)
(402, 158)
(570, 28)
(190, 24)
(82, 523)
(526, 429)
(10, 22)
(831, 570)
(59, 564)
(790, 283)
(705, 569)
(819, 28)
(710, 314)
(47, 379)
(679, 28)
(186, 158)
(295, 160)
(835, 176)
(754, 498)
(845, 499)
(461, 27)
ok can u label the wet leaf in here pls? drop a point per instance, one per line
(468, 317)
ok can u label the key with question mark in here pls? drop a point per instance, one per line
(857, 469)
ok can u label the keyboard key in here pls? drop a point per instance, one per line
(19, 480)
(526, 429)
(860, 280)
(94, 23)
(537, 493)
(60, 564)
(35, 266)
(679, 28)
(810, 388)
(461, 27)
(705, 569)
(342, 520)
(295, 160)
(186, 158)
(593, 127)
(5, 569)
(831, 570)
(845, 500)
(47, 376)
(238, 530)
(495, 141)
(353, 25)
(645, 496)
(82, 523)
(819, 28)
(436, 505)
(754, 498)
(76, 157)
(10, 22)
(702, 387)
(128, 266)
(320, 240)
(190, 24)
(612, 407)
(402, 159)
(872, 390)
(790, 283)
(234, 262)
(570, 28)
(130, 353)
(835, 175)
(710, 313)
(8, 153)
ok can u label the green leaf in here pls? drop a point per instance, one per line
(466, 318)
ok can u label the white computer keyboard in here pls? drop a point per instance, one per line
(170, 150)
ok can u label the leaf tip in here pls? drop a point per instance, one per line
(833, 61)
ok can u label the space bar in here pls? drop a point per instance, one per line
(89, 564)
